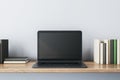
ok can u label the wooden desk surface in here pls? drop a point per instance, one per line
(92, 67)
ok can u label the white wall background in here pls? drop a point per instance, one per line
(21, 19)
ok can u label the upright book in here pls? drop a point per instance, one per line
(115, 51)
(3, 50)
(111, 51)
(118, 51)
(96, 51)
(107, 51)
(102, 53)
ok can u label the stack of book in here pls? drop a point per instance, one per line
(16, 60)
(107, 51)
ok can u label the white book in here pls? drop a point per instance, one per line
(96, 51)
(17, 62)
(118, 51)
(107, 51)
(101, 52)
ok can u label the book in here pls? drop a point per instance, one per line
(115, 51)
(3, 50)
(111, 51)
(104, 53)
(16, 60)
(118, 51)
(101, 52)
(107, 51)
(96, 51)
(1, 56)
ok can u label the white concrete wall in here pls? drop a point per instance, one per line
(21, 19)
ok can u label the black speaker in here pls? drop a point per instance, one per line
(3, 50)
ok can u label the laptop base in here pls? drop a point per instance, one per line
(59, 65)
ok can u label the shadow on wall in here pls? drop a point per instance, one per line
(16, 52)
(87, 55)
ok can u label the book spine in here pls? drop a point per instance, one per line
(15, 62)
(107, 51)
(115, 51)
(101, 52)
(3, 49)
(111, 51)
(0, 53)
(104, 53)
(118, 51)
(96, 51)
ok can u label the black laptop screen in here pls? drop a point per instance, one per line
(60, 45)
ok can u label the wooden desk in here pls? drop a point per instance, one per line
(92, 67)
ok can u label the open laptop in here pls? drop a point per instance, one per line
(59, 49)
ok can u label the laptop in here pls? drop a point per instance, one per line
(59, 49)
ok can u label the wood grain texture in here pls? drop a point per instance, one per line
(92, 67)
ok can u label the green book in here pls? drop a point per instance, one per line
(112, 51)
(115, 51)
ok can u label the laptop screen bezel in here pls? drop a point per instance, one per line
(47, 31)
